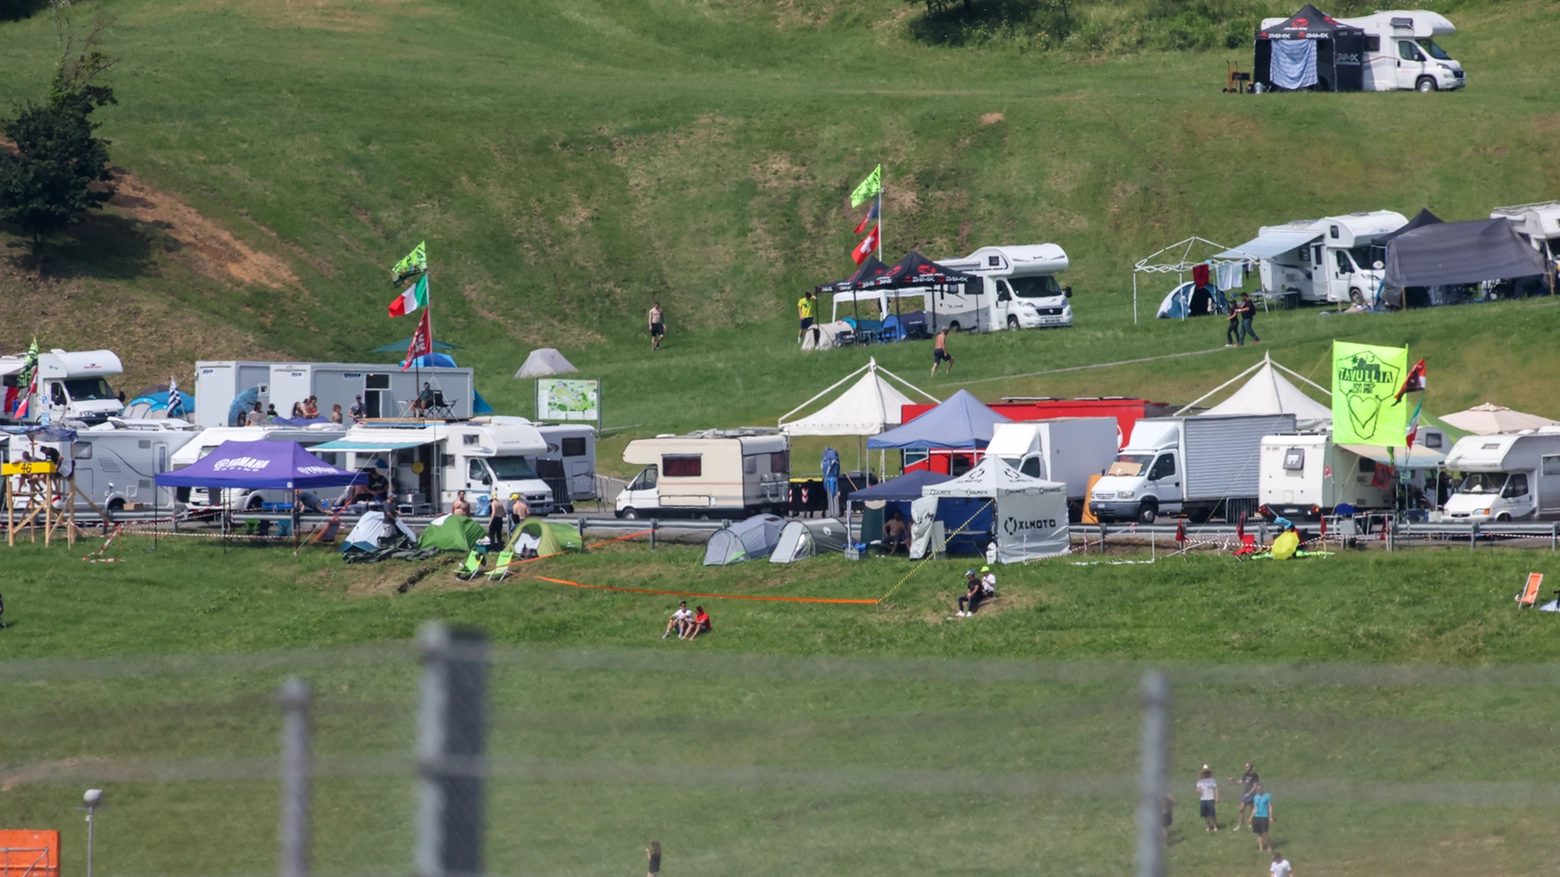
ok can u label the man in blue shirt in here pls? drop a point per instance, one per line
(1261, 817)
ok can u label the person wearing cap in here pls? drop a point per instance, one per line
(1261, 818)
(972, 595)
(1208, 798)
(988, 583)
(681, 620)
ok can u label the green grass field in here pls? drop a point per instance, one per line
(568, 161)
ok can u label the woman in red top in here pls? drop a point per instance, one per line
(701, 622)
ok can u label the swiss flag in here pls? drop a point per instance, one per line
(867, 245)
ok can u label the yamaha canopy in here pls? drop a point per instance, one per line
(262, 464)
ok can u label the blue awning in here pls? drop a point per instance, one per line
(343, 445)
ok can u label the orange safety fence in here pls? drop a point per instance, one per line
(709, 596)
(25, 853)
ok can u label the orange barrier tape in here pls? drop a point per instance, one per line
(618, 539)
(708, 596)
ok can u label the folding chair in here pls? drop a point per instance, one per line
(471, 568)
(1529, 595)
(501, 566)
(1248, 545)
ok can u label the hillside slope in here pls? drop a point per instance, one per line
(570, 161)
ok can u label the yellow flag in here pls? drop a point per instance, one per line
(416, 260)
(1365, 380)
(870, 186)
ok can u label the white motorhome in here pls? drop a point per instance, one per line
(1065, 449)
(569, 461)
(1538, 223)
(115, 464)
(427, 463)
(1306, 476)
(211, 438)
(1323, 260)
(1401, 52)
(71, 386)
(710, 474)
(1017, 289)
(1506, 477)
(217, 384)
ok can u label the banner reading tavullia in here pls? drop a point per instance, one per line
(1365, 378)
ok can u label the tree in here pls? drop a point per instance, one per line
(59, 170)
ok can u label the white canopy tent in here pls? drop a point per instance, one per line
(880, 296)
(1268, 392)
(1490, 419)
(868, 407)
(1031, 514)
(1179, 258)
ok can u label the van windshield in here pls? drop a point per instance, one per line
(1435, 51)
(1044, 286)
(511, 468)
(88, 389)
(1483, 483)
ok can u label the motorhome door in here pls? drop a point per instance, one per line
(1410, 64)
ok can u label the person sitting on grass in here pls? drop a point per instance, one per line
(681, 620)
(699, 624)
(973, 594)
(895, 535)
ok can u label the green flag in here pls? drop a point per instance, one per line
(1365, 379)
(416, 260)
(870, 186)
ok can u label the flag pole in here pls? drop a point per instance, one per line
(880, 217)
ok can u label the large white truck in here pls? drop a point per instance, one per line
(1070, 450)
(1016, 289)
(1401, 52)
(1203, 467)
(710, 474)
(213, 437)
(115, 464)
(72, 386)
(1322, 261)
(1505, 477)
(428, 463)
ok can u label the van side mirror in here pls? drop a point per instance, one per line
(1067, 291)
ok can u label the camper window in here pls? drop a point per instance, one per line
(88, 389)
(1344, 265)
(511, 468)
(750, 465)
(1004, 291)
(780, 462)
(1516, 486)
(1042, 286)
(1373, 44)
(475, 471)
(1408, 52)
(644, 480)
(1552, 465)
(1482, 482)
(1294, 458)
(81, 451)
(1435, 50)
(573, 447)
(683, 465)
(1367, 465)
(57, 394)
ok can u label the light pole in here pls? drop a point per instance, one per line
(93, 801)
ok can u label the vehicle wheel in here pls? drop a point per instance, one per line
(255, 504)
(1502, 518)
(1012, 322)
(629, 514)
(1356, 296)
(567, 509)
(1425, 85)
(1147, 512)
(953, 326)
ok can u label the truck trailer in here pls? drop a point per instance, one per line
(1203, 467)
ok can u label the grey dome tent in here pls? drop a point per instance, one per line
(803, 539)
(751, 539)
(545, 362)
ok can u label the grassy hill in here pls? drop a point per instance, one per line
(569, 162)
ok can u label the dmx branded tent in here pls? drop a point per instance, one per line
(1451, 253)
(1269, 392)
(1310, 50)
(545, 362)
(451, 533)
(962, 421)
(870, 406)
(1031, 514)
(747, 540)
(803, 539)
(257, 465)
(870, 270)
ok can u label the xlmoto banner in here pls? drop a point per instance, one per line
(1366, 378)
(1032, 524)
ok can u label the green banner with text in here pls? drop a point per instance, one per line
(1365, 379)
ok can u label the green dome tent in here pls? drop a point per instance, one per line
(549, 537)
(451, 533)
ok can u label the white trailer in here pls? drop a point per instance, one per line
(1320, 261)
(71, 386)
(1069, 450)
(115, 464)
(211, 438)
(218, 383)
(387, 391)
(1305, 476)
(709, 474)
(1506, 477)
(1401, 52)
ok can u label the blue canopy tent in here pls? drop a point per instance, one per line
(905, 488)
(960, 422)
(260, 465)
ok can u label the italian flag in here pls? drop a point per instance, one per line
(415, 296)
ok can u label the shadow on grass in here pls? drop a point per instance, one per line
(102, 246)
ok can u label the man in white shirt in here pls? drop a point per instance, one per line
(1208, 798)
(1280, 866)
(681, 620)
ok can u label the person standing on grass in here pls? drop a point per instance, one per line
(1248, 782)
(1208, 799)
(460, 506)
(657, 325)
(940, 352)
(496, 522)
(805, 308)
(1280, 866)
(1248, 312)
(653, 853)
(1261, 818)
(1232, 327)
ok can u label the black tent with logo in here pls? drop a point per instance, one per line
(916, 270)
(1310, 50)
(870, 270)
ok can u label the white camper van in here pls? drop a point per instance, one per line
(1506, 477)
(1539, 224)
(1322, 261)
(1017, 289)
(710, 474)
(569, 462)
(71, 386)
(217, 384)
(211, 438)
(115, 464)
(1401, 52)
(427, 463)
(1065, 449)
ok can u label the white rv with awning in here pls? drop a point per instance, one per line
(1320, 261)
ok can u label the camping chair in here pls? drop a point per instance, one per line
(471, 568)
(1248, 545)
(500, 568)
(441, 406)
(1529, 595)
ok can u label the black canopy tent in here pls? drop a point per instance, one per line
(1421, 219)
(871, 269)
(1454, 253)
(1340, 49)
(915, 270)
